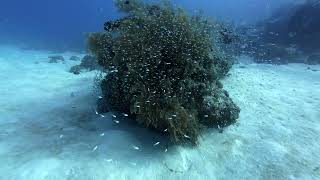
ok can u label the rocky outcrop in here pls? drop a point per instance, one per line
(88, 63)
(165, 69)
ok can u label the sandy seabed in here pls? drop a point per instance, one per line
(49, 128)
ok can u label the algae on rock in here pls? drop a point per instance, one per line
(164, 69)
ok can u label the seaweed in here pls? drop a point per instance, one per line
(164, 69)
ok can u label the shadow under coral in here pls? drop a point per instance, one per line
(72, 131)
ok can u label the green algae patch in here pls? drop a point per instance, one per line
(164, 69)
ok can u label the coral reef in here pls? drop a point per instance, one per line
(56, 59)
(164, 69)
(88, 63)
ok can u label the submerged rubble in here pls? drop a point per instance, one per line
(164, 69)
(56, 59)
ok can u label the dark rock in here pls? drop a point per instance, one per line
(75, 69)
(313, 59)
(219, 107)
(88, 63)
(102, 106)
(55, 59)
(74, 58)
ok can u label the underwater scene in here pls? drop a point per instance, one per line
(160, 89)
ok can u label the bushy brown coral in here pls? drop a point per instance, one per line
(164, 69)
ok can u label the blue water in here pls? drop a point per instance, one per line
(62, 24)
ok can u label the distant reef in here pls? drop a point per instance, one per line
(289, 35)
(164, 69)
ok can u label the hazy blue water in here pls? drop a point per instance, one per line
(54, 23)
(62, 24)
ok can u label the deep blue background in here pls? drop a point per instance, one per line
(62, 24)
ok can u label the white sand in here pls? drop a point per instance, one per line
(49, 129)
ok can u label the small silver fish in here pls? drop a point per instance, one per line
(116, 121)
(136, 147)
(96, 112)
(102, 115)
(186, 136)
(126, 115)
(109, 160)
(156, 144)
(100, 97)
(114, 116)
(165, 130)
(166, 150)
(61, 136)
(95, 148)
(102, 134)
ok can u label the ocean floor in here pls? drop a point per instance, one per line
(49, 128)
